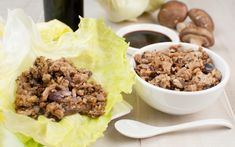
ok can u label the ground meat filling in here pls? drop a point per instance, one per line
(56, 89)
(178, 69)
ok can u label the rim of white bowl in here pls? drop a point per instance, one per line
(221, 84)
(173, 35)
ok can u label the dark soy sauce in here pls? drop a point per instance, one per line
(66, 11)
(139, 39)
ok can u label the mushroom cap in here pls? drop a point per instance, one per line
(201, 18)
(171, 13)
(200, 35)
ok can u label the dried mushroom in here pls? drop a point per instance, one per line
(171, 13)
(197, 35)
(201, 18)
(199, 31)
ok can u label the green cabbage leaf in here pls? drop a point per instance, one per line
(122, 10)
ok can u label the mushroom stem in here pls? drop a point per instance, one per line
(180, 26)
(196, 41)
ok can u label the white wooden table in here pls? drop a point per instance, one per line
(223, 12)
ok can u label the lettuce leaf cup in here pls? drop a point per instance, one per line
(93, 46)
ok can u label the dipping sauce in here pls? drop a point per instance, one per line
(139, 39)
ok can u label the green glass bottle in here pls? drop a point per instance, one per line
(67, 11)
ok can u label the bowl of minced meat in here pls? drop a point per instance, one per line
(179, 78)
(56, 88)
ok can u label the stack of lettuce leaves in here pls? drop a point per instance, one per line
(93, 46)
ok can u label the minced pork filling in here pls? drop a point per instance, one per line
(178, 69)
(56, 88)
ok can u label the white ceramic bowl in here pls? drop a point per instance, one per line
(178, 102)
(147, 27)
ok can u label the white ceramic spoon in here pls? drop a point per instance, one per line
(135, 129)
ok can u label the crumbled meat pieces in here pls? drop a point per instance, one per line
(56, 89)
(177, 83)
(162, 80)
(178, 69)
(184, 73)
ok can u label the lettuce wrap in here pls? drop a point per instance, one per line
(93, 46)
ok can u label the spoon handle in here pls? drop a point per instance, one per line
(196, 124)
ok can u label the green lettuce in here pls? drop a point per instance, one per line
(93, 46)
(8, 139)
